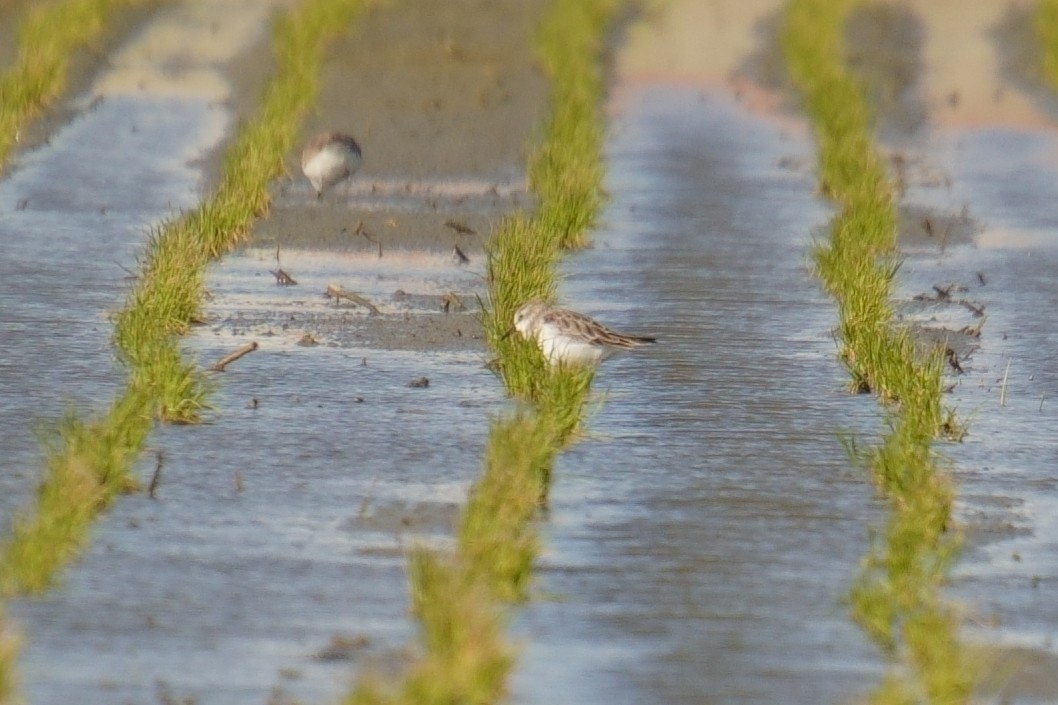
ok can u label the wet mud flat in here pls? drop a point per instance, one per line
(444, 101)
(406, 300)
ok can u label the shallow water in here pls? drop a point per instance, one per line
(1008, 490)
(279, 526)
(701, 539)
(71, 227)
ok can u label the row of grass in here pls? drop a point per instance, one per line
(47, 35)
(460, 599)
(89, 462)
(898, 596)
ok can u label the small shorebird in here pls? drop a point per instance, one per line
(329, 158)
(568, 337)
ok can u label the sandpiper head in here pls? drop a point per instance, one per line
(528, 318)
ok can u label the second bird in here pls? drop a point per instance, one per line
(329, 158)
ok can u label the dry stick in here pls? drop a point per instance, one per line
(977, 311)
(131, 274)
(282, 278)
(156, 478)
(337, 293)
(367, 236)
(1003, 390)
(461, 228)
(224, 361)
(452, 299)
(460, 255)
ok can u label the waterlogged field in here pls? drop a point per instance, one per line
(702, 533)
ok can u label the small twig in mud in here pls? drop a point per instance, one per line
(282, 278)
(944, 236)
(974, 331)
(338, 293)
(927, 225)
(361, 231)
(452, 299)
(131, 274)
(459, 255)
(981, 278)
(156, 478)
(368, 496)
(977, 311)
(228, 359)
(953, 360)
(461, 228)
(899, 163)
(1003, 389)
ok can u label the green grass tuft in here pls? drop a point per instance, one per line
(47, 35)
(86, 467)
(897, 597)
(461, 595)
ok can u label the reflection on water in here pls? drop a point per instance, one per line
(704, 535)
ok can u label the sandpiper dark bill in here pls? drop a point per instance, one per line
(568, 337)
(328, 159)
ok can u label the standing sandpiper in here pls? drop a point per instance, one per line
(329, 158)
(568, 337)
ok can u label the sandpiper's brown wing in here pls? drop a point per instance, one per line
(346, 141)
(593, 332)
(322, 139)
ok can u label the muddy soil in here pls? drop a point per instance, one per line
(443, 98)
